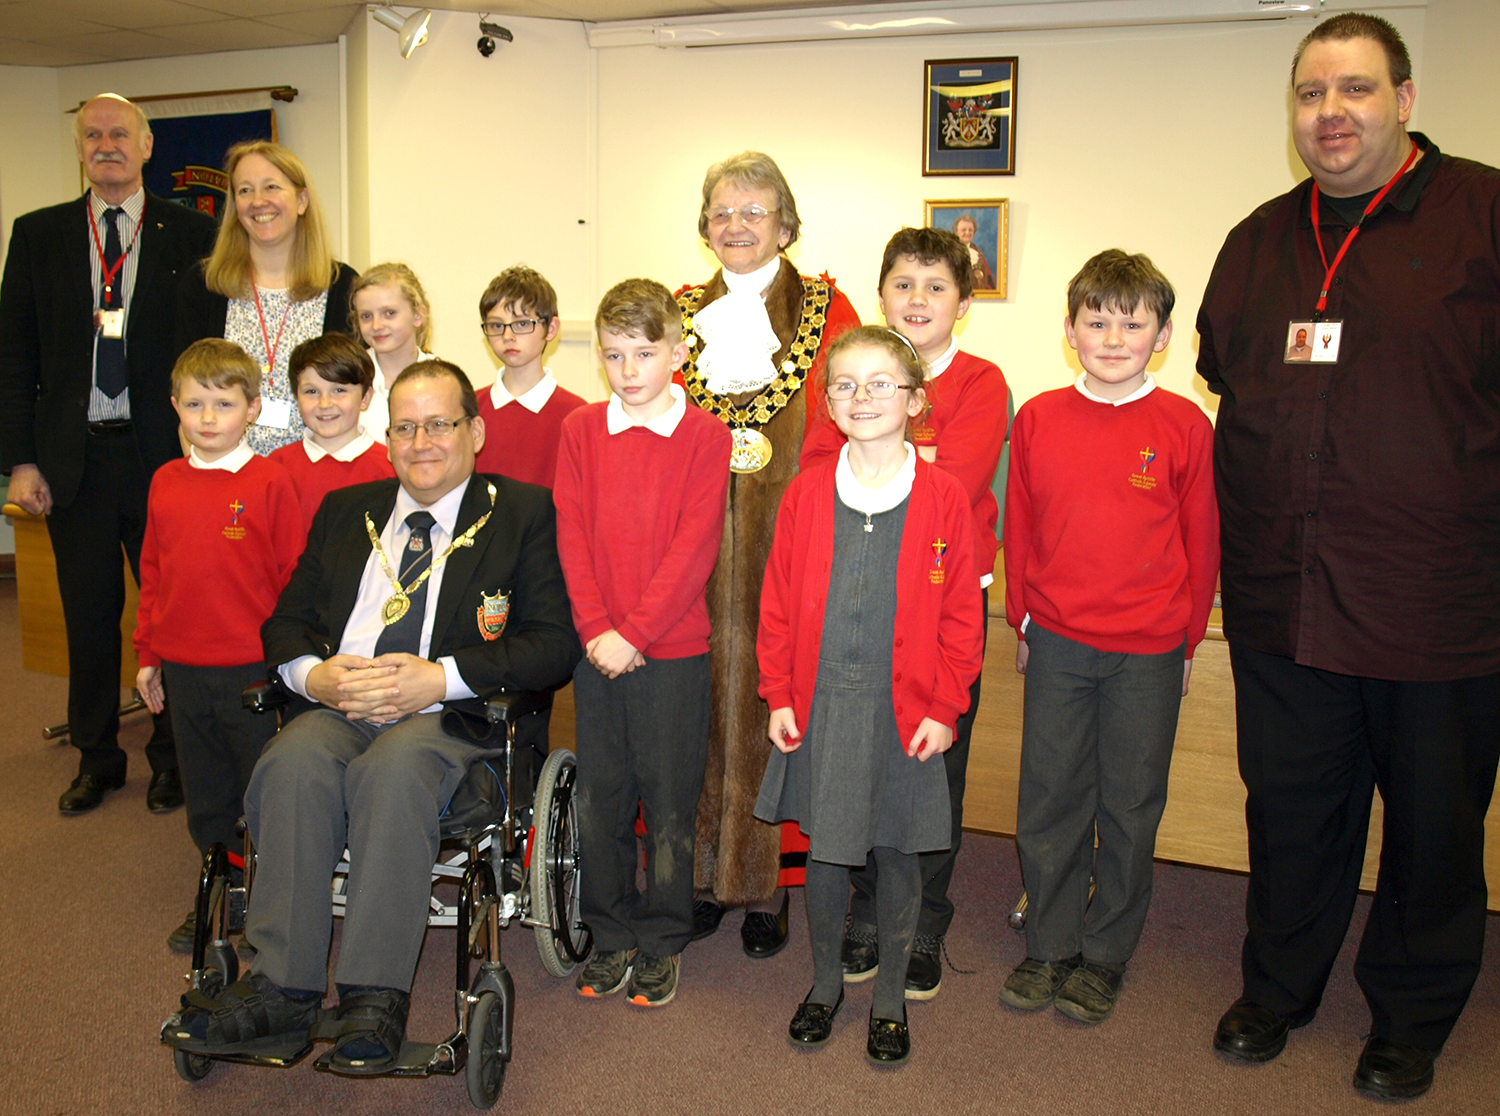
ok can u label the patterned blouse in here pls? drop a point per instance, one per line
(295, 322)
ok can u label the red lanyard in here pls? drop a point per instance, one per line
(107, 274)
(1348, 240)
(270, 348)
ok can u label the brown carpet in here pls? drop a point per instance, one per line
(87, 903)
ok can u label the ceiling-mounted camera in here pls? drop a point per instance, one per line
(489, 32)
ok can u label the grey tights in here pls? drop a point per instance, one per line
(898, 901)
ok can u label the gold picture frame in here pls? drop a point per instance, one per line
(988, 223)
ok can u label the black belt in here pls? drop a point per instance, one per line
(111, 429)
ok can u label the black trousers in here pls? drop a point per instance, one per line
(1312, 745)
(108, 513)
(937, 867)
(218, 744)
(642, 745)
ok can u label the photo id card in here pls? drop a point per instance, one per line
(1313, 342)
(110, 323)
(275, 413)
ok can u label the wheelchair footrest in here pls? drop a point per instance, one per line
(278, 1050)
(417, 1059)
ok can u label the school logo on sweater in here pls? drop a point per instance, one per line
(493, 612)
(937, 574)
(1142, 480)
(234, 530)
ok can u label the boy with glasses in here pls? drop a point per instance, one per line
(524, 411)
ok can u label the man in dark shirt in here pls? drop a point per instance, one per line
(1359, 496)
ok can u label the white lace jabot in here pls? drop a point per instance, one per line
(738, 341)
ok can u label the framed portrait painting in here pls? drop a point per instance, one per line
(970, 117)
(983, 225)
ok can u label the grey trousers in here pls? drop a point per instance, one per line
(325, 783)
(1096, 747)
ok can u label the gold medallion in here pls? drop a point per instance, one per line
(751, 451)
(395, 607)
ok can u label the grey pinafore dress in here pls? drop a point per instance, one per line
(851, 786)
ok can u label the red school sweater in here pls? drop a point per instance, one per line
(967, 408)
(522, 445)
(639, 521)
(315, 479)
(219, 549)
(938, 638)
(1111, 524)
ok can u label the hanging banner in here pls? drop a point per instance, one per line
(191, 136)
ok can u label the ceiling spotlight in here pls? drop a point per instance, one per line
(488, 33)
(412, 30)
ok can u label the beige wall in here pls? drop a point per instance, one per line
(587, 163)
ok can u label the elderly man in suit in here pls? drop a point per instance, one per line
(413, 593)
(86, 312)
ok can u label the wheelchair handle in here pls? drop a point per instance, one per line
(510, 706)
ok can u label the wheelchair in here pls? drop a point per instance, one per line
(512, 866)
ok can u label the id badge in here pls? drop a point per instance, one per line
(110, 323)
(1312, 342)
(275, 413)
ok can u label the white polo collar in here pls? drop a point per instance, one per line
(617, 420)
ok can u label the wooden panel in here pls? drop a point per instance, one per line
(1204, 822)
(44, 641)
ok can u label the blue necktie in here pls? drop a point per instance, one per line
(406, 633)
(110, 373)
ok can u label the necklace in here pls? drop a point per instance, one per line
(398, 602)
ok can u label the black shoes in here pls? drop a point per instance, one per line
(889, 1043)
(707, 914)
(1034, 983)
(924, 972)
(165, 792)
(812, 1025)
(1253, 1033)
(1090, 992)
(181, 939)
(764, 935)
(859, 955)
(1392, 1070)
(86, 792)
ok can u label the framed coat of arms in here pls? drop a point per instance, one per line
(969, 124)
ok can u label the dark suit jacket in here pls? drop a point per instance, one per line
(202, 313)
(47, 337)
(515, 553)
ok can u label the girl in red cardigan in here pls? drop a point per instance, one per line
(871, 631)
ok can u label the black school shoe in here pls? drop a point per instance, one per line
(1392, 1070)
(1034, 984)
(1090, 992)
(889, 1044)
(764, 935)
(859, 955)
(812, 1025)
(1253, 1033)
(924, 972)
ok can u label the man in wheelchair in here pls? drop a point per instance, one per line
(412, 596)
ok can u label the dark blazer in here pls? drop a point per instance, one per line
(514, 553)
(202, 313)
(47, 337)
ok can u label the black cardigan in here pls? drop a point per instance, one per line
(202, 313)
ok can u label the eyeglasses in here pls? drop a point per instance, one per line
(520, 328)
(875, 389)
(750, 214)
(436, 428)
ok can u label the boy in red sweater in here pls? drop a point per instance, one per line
(225, 517)
(332, 381)
(523, 412)
(640, 494)
(1112, 550)
(926, 285)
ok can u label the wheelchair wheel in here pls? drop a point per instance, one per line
(564, 940)
(221, 968)
(191, 1067)
(485, 1069)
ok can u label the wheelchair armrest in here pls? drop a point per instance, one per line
(263, 697)
(509, 706)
